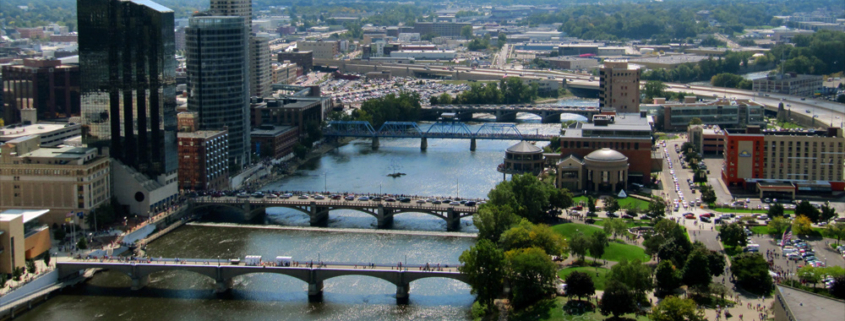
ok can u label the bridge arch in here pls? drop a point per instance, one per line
(433, 213)
(301, 274)
(193, 209)
(419, 276)
(341, 207)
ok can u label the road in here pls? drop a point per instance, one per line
(432, 266)
(327, 201)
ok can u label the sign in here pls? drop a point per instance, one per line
(80, 214)
(744, 153)
(258, 148)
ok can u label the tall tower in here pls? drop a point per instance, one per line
(240, 8)
(620, 87)
(128, 82)
(218, 85)
(259, 47)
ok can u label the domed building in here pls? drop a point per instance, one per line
(603, 170)
(522, 158)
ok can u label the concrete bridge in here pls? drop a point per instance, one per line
(318, 210)
(223, 274)
(507, 113)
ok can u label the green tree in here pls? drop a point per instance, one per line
(3, 280)
(657, 207)
(708, 195)
(493, 220)
(634, 274)
(484, 266)
(802, 225)
(696, 272)
(666, 277)
(579, 245)
(17, 273)
(502, 40)
(715, 262)
(404, 107)
(751, 272)
(617, 300)
(560, 198)
(688, 147)
(300, 150)
(466, 32)
(531, 273)
(59, 234)
(673, 308)
(778, 225)
(598, 242)
(775, 210)
(836, 230)
(733, 235)
(579, 284)
(827, 213)
(810, 274)
(525, 194)
(654, 88)
(526, 235)
(695, 121)
(808, 210)
(838, 287)
(611, 205)
(445, 99)
(591, 204)
(82, 244)
(30, 266)
(47, 258)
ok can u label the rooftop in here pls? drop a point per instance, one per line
(200, 134)
(524, 147)
(669, 59)
(8, 133)
(67, 152)
(808, 306)
(28, 215)
(606, 155)
(627, 125)
(261, 131)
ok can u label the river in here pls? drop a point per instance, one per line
(447, 168)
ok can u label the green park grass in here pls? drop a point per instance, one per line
(628, 201)
(598, 281)
(552, 309)
(631, 223)
(614, 251)
(664, 136)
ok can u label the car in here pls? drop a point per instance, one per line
(390, 199)
(645, 217)
(612, 215)
(808, 254)
(810, 258)
(319, 197)
(705, 219)
(243, 195)
(793, 257)
(272, 196)
(436, 202)
(455, 204)
(258, 195)
(376, 199)
(302, 197)
(350, 197)
(363, 198)
(405, 200)
(335, 197)
(626, 216)
(420, 201)
(767, 200)
(689, 216)
(471, 203)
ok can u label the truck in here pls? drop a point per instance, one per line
(252, 260)
(284, 261)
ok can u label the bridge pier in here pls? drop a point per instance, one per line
(139, 282)
(472, 144)
(453, 220)
(315, 291)
(550, 118)
(423, 143)
(402, 292)
(464, 116)
(375, 142)
(505, 117)
(385, 217)
(319, 215)
(224, 286)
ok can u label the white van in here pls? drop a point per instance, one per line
(252, 260)
(789, 249)
(284, 261)
(752, 248)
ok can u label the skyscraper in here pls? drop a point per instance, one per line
(218, 85)
(128, 68)
(619, 84)
(240, 8)
(259, 47)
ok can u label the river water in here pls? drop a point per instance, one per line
(447, 168)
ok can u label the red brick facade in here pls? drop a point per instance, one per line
(638, 152)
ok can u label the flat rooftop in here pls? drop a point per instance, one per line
(28, 215)
(7, 133)
(808, 306)
(199, 134)
(628, 125)
(66, 152)
(669, 59)
(271, 132)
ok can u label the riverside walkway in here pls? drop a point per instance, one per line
(311, 272)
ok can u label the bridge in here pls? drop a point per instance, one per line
(440, 129)
(224, 272)
(507, 113)
(318, 210)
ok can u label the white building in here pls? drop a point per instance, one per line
(425, 54)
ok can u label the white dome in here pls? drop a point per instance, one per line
(606, 155)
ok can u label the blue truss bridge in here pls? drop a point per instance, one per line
(440, 129)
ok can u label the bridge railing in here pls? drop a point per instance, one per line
(368, 204)
(226, 262)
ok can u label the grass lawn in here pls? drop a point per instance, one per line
(598, 281)
(663, 136)
(614, 251)
(552, 309)
(579, 199)
(631, 223)
(643, 205)
(764, 230)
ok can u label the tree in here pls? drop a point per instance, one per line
(654, 88)
(17, 273)
(493, 220)
(657, 207)
(59, 234)
(827, 213)
(751, 272)
(836, 230)
(300, 150)
(695, 121)
(502, 39)
(611, 205)
(802, 225)
(3, 280)
(688, 147)
(560, 198)
(466, 32)
(733, 235)
(578, 245)
(591, 204)
(808, 210)
(531, 273)
(617, 299)
(673, 308)
(708, 195)
(484, 266)
(525, 194)
(778, 225)
(598, 242)
(634, 274)
(775, 210)
(696, 272)
(810, 274)
(30, 266)
(82, 244)
(526, 235)
(715, 262)
(666, 277)
(579, 284)
(838, 288)
(47, 258)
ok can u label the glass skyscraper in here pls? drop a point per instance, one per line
(218, 78)
(128, 85)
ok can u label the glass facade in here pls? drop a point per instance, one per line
(128, 85)
(218, 78)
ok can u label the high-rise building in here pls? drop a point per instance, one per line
(218, 85)
(620, 87)
(128, 86)
(240, 8)
(41, 84)
(260, 68)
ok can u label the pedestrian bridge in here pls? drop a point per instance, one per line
(223, 274)
(318, 210)
(507, 113)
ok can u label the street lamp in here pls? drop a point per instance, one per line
(325, 181)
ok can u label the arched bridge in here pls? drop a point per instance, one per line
(223, 274)
(507, 113)
(319, 210)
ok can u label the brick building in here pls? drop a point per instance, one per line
(42, 84)
(203, 155)
(443, 29)
(304, 59)
(274, 141)
(619, 84)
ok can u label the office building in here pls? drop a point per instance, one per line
(218, 85)
(203, 160)
(260, 70)
(619, 86)
(727, 113)
(62, 179)
(304, 59)
(572, 63)
(442, 29)
(239, 8)
(628, 134)
(45, 85)
(708, 139)
(127, 68)
(768, 161)
(290, 111)
(579, 49)
(52, 134)
(275, 142)
(321, 49)
(22, 237)
(285, 73)
(788, 84)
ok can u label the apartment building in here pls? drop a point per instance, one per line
(619, 86)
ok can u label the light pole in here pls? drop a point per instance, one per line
(325, 181)
(458, 187)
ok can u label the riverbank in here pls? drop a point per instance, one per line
(291, 168)
(337, 230)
